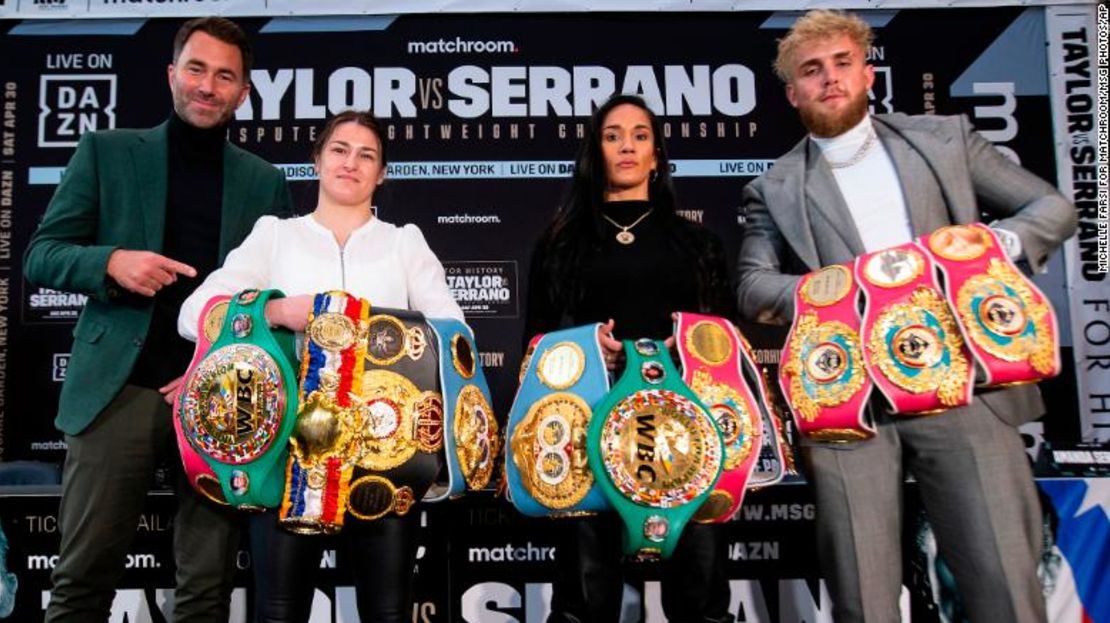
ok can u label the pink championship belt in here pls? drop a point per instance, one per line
(1008, 323)
(711, 352)
(822, 372)
(912, 345)
(197, 470)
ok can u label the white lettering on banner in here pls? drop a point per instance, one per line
(499, 91)
(47, 298)
(767, 356)
(754, 550)
(468, 219)
(61, 364)
(55, 444)
(7, 137)
(483, 288)
(491, 602)
(72, 104)
(4, 307)
(696, 216)
(41, 524)
(79, 61)
(133, 561)
(1003, 111)
(1081, 457)
(492, 360)
(882, 90)
(458, 45)
(511, 553)
(778, 512)
(1079, 165)
(7, 201)
(7, 187)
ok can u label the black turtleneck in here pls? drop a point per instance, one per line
(637, 285)
(194, 198)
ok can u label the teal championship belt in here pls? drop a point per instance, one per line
(547, 469)
(655, 451)
(471, 440)
(238, 405)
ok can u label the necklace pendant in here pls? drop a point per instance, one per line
(626, 237)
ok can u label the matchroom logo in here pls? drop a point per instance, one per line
(72, 104)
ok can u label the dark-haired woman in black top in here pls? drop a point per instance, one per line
(617, 252)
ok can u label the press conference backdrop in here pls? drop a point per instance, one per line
(483, 114)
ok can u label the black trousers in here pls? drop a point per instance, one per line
(589, 583)
(381, 555)
(108, 470)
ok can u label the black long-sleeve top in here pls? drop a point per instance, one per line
(637, 285)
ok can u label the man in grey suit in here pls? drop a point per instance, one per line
(860, 183)
(139, 218)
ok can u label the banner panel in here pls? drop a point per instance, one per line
(483, 115)
(1081, 173)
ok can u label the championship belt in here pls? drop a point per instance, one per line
(238, 405)
(712, 354)
(399, 432)
(546, 467)
(912, 344)
(654, 449)
(822, 372)
(471, 440)
(1008, 323)
(318, 477)
(197, 471)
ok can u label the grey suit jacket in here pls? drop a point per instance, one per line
(796, 220)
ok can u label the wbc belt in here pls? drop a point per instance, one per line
(1008, 323)
(912, 344)
(547, 469)
(471, 440)
(197, 471)
(822, 374)
(654, 449)
(318, 476)
(238, 404)
(712, 353)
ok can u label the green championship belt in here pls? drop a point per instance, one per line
(239, 404)
(655, 451)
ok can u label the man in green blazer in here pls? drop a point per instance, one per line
(139, 218)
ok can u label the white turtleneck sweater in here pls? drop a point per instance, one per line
(870, 186)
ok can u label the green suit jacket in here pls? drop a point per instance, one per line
(113, 196)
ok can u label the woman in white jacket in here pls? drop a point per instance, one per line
(339, 246)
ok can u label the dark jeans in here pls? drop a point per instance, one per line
(589, 583)
(381, 555)
(108, 470)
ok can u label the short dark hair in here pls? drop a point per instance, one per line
(223, 29)
(364, 118)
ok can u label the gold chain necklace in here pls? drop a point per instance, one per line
(856, 157)
(624, 236)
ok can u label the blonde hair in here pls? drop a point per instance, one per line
(817, 25)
